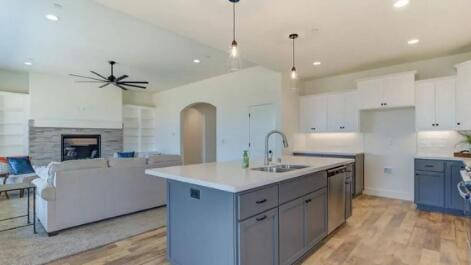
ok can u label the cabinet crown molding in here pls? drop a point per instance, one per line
(413, 73)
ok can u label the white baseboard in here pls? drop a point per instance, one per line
(393, 194)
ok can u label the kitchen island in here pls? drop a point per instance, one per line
(219, 213)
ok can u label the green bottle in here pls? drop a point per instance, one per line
(245, 159)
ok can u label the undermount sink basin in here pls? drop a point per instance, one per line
(279, 168)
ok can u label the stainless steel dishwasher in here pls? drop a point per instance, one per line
(336, 197)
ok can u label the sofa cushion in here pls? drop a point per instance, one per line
(20, 165)
(127, 162)
(158, 159)
(126, 154)
(70, 165)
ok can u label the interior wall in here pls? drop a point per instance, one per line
(231, 94)
(436, 67)
(58, 101)
(192, 136)
(12, 81)
(210, 128)
(140, 98)
(390, 147)
(290, 109)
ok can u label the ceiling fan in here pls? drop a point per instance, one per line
(119, 82)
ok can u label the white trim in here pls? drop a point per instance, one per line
(450, 77)
(393, 194)
(88, 124)
(462, 64)
(413, 73)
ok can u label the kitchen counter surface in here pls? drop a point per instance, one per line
(466, 161)
(231, 177)
(327, 153)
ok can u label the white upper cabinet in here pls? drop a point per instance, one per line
(463, 96)
(389, 91)
(329, 113)
(313, 113)
(435, 104)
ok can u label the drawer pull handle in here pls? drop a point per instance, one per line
(261, 201)
(429, 166)
(308, 201)
(261, 218)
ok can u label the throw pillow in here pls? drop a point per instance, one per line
(20, 165)
(4, 167)
(126, 154)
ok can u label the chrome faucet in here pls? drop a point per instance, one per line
(268, 157)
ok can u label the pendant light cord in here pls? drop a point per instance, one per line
(293, 54)
(233, 21)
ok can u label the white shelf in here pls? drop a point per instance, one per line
(139, 123)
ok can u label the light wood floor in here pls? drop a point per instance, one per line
(380, 232)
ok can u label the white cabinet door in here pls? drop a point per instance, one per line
(352, 114)
(313, 113)
(425, 105)
(398, 91)
(463, 97)
(445, 104)
(335, 112)
(370, 93)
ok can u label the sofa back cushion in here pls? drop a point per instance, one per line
(4, 167)
(127, 162)
(158, 159)
(70, 165)
(20, 165)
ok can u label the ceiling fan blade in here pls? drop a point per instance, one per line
(92, 78)
(89, 81)
(136, 82)
(105, 84)
(120, 86)
(132, 85)
(121, 78)
(93, 72)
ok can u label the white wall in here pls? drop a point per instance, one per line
(231, 94)
(192, 136)
(389, 143)
(12, 81)
(58, 101)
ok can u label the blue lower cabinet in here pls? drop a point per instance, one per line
(435, 185)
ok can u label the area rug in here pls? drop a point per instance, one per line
(22, 247)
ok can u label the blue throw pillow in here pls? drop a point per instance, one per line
(126, 154)
(20, 165)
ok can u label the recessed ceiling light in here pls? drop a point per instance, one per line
(196, 61)
(28, 63)
(52, 17)
(413, 41)
(401, 3)
(317, 63)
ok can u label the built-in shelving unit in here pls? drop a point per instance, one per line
(13, 124)
(139, 128)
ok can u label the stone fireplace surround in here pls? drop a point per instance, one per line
(45, 142)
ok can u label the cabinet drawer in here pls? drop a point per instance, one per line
(429, 165)
(257, 201)
(301, 186)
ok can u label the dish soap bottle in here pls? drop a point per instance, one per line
(245, 159)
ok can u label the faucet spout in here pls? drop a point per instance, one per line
(267, 138)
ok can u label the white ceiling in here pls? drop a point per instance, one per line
(345, 35)
(89, 34)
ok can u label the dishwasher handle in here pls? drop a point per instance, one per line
(336, 171)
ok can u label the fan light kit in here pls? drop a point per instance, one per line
(52, 17)
(294, 74)
(112, 80)
(401, 3)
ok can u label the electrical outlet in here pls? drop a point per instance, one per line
(388, 170)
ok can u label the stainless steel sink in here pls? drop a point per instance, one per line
(279, 168)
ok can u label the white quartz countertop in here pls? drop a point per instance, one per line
(327, 153)
(231, 177)
(466, 161)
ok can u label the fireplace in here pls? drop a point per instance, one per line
(80, 147)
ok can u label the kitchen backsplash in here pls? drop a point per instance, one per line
(329, 142)
(439, 143)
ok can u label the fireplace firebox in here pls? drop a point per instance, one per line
(80, 147)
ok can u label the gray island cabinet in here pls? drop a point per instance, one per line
(270, 225)
(221, 214)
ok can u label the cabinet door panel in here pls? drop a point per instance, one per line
(370, 92)
(258, 240)
(335, 112)
(398, 91)
(306, 114)
(463, 95)
(315, 207)
(445, 104)
(430, 189)
(313, 113)
(351, 112)
(291, 231)
(425, 105)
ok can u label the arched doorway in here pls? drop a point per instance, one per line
(198, 133)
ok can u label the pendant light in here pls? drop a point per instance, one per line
(294, 74)
(234, 53)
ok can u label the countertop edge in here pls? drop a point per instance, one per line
(327, 153)
(280, 177)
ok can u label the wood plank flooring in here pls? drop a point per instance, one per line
(380, 232)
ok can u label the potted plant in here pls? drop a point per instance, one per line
(466, 140)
